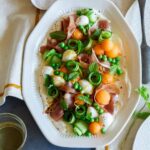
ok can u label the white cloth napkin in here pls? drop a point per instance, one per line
(17, 19)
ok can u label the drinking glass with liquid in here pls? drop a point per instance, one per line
(13, 132)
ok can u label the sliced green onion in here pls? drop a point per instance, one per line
(63, 104)
(86, 99)
(80, 111)
(48, 80)
(69, 117)
(53, 91)
(80, 127)
(105, 35)
(75, 45)
(72, 65)
(47, 54)
(73, 75)
(93, 67)
(58, 35)
(95, 78)
(72, 44)
(89, 44)
(95, 35)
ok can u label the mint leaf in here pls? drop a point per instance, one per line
(85, 99)
(142, 115)
(143, 91)
(93, 67)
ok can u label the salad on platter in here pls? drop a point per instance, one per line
(82, 77)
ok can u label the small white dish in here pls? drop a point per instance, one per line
(142, 139)
(31, 64)
(42, 4)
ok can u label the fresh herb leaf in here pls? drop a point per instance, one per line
(115, 69)
(58, 35)
(96, 34)
(93, 67)
(143, 91)
(48, 54)
(48, 80)
(85, 99)
(73, 75)
(142, 115)
(63, 104)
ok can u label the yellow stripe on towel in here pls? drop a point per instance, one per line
(10, 85)
(107, 147)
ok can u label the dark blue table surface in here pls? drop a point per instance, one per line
(35, 139)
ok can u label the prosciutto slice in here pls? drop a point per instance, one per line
(104, 24)
(69, 25)
(111, 88)
(55, 110)
(104, 64)
(111, 106)
(68, 89)
(84, 60)
(51, 44)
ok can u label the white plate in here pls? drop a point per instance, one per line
(31, 64)
(142, 139)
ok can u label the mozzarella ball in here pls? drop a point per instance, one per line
(69, 55)
(47, 70)
(92, 111)
(68, 99)
(106, 119)
(87, 87)
(58, 81)
(82, 20)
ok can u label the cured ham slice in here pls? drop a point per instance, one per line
(84, 60)
(55, 110)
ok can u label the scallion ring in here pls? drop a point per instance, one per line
(76, 45)
(80, 111)
(95, 78)
(53, 91)
(72, 65)
(69, 117)
(105, 35)
(72, 44)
